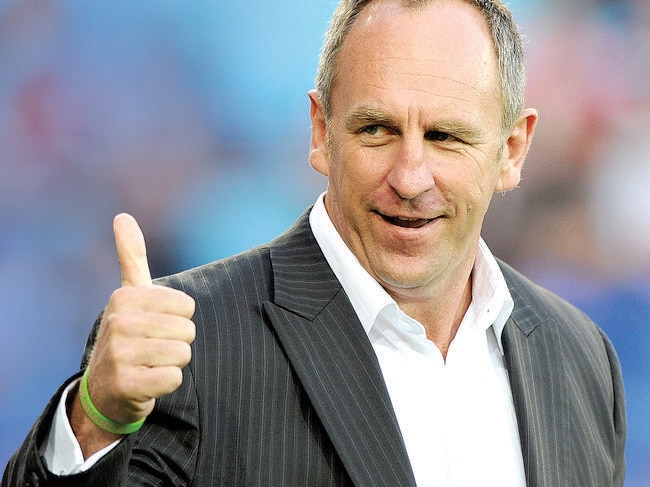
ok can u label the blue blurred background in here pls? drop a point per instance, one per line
(193, 116)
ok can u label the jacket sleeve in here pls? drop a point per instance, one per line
(163, 452)
(27, 467)
(619, 416)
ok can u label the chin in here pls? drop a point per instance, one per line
(400, 280)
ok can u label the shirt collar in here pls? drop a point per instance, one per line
(491, 298)
(366, 295)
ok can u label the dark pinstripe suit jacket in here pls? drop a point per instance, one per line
(284, 388)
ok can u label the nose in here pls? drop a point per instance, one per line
(410, 175)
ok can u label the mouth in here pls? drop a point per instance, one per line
(406, 222)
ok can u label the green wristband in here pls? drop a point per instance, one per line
(107, 424)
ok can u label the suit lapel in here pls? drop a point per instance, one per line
(533, 355)
(335, 362)
(338, 368)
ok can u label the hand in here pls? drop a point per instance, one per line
(143, 341)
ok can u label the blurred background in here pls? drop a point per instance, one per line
(194, 117)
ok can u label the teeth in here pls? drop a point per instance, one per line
(405, 221)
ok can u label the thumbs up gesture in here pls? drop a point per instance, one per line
(142, 344)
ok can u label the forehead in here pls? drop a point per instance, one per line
(444, 48)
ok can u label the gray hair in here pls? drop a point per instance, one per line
(508, 45)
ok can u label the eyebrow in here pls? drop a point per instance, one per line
(375, 116)
(367, 115)
(457, 129)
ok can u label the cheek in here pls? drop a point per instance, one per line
(469, 187)
(357, 171)
(477, 196)
(481, 175)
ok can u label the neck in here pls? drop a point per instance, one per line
(441, 316)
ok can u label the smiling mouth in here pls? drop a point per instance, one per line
(406, 222)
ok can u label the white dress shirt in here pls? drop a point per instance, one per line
(457, 417)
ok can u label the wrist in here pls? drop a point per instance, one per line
(98, 418)
(90, 437)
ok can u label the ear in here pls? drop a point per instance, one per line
(319, 153)
(516, 150)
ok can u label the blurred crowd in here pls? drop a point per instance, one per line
(580, 223)
(194, 118)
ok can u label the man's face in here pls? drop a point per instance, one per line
(414, 148)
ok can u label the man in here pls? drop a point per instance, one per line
(376, 342)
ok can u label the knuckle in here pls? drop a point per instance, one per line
(113, 320)
(191, 305)
(176, 377)
(185, 302)
(186, 354)
(120, 354)
(119, 297)
(190, 331)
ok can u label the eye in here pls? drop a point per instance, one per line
(373, 130)
(376, 134)
(437, 136)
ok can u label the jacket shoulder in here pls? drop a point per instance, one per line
(238, 273)
(541, 313)
(534, 303)
(233, 274)
(564, 370)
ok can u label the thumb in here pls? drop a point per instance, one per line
(131, 251)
